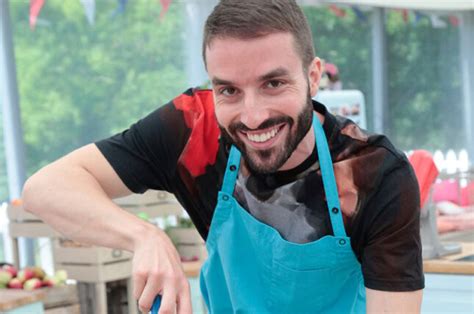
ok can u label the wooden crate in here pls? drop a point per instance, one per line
(16, 212)
(152, 202)
(31, 229)
(190, 252)
(184, 235)
(70, 252)
(188, 242)
(94, 273)
(88, 263)
(62, 299)
(68, 309)
(24, 224)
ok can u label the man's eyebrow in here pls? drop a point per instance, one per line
(217, 81)
(273, 74)
(268, 76)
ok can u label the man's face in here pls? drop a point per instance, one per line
(262, 97)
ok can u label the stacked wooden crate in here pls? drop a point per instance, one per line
(188, 242)
(54, 300)
(98, 266)
(94, 267)
(24, 224)
(62, 300)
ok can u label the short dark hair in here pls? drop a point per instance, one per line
(248, 19)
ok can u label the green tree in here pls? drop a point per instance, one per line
(79, 82)
(424, 92)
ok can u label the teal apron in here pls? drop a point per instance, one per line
(252, 269)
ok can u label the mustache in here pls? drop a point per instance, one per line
(239, 126)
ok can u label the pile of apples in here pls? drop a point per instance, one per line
(29, 278)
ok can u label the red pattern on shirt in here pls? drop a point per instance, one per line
(203, 144)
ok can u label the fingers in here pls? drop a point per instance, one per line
(168, 301)
(149, 293)
(184, 300)
(139, 280)
(176, 296)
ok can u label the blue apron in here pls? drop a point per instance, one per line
(252, 269)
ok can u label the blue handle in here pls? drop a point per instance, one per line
(156, 305)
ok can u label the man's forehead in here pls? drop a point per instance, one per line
(228, 41)
(269, 55)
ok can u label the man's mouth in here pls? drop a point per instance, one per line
(262, 136)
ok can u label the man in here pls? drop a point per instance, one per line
(250, 163)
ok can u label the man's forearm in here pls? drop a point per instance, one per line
(73, 203)
(393, 302)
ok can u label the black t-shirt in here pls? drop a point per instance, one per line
(178, 148)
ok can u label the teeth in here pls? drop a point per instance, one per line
(259, 138)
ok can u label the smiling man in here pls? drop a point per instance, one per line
(302, 211)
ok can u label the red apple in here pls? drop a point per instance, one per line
(11, 269)
(25, 274)
(32, 284)
(15, 283)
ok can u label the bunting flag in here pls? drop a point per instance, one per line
(89, 9)
(35, 8)
(337, 11)
(360, 15)
(437, 22)
(405, 15)
(165, 4)
(121, 5)
(418, 17)
(454, 20)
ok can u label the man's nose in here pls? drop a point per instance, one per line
(254, 111)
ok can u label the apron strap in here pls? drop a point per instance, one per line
(231, 171)
(329, 181)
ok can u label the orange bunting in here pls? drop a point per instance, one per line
(337, 11)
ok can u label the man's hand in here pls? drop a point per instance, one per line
(157, 270)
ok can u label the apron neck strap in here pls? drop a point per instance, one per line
(329, 181)
(327, 172)
(231, 171)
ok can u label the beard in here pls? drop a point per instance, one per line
(270, 160)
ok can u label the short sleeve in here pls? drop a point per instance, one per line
(145, 155)
(391, 256)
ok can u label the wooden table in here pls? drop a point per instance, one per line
(449, 283)
(450, 265)
(12, 300)
(192, 269)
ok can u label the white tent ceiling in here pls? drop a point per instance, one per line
(445, 5)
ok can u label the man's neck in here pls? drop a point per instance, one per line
(304, 148)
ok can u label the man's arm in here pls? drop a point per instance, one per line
(73, 195)
(393, 302)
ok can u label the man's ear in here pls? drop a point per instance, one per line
(314, 75)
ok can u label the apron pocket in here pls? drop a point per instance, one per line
(310, 291)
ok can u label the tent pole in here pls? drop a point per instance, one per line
(12, 130)
(467, 71)
(379, 72)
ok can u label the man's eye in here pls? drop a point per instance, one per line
(228, 91)
(274, 84)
